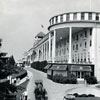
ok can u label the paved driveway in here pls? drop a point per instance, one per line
(56, 91)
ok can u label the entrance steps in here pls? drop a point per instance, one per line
(81, 81)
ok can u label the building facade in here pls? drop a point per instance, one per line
(73, 38)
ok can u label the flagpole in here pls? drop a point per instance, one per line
(90, 2)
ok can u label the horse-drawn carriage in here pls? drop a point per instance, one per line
(39, 91)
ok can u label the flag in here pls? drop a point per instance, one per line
(42, 26)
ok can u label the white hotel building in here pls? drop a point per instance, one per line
(73, 39)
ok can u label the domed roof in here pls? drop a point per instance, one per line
(40, 35)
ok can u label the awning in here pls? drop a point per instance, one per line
(59, 67)
(80, 68)
(47, 66)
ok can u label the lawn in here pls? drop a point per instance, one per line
(88, 98)
(98, 86)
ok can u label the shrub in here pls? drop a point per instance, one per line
(76, 94)
(91, 95)
(91, 79)
(57, 78)
(71, 79)
(39, 65)
(83, 95)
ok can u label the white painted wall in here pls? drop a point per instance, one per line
(64, 17)
(78, 16)
(71, 16)
(58, 19)
(93, 16)
(81, 49)
(97, 58)
(86, 16)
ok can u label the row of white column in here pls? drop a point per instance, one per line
(52, 59)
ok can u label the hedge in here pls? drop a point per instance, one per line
(39, 65)
(83, 95)
(91, 79)
(71, 79)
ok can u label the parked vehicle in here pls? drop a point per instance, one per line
(69, 97)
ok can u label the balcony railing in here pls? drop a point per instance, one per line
(75, 16)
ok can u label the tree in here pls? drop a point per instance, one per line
(11, 61)
(0, 42)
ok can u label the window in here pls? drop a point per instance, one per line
(91, 31)
(81, 57)
(75, 16)
(67, 17)
(85, 33)
(56, 19)
(82, 16)
(61, 18)
(75, 57)
(90, 16)
(77, 37)
(88, 56)
(73, 47)
(80, 44)
(90, 43)
(78, 58)
(76, 46)
(85, 44)
(52, 20)
(84, 57)
(97, 16)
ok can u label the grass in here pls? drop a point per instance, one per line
(87, 98)
(98, 86)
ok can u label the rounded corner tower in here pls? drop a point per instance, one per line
(74, 39)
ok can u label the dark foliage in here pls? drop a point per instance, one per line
(76, 94)
(83, 95)
(91, 95)
(91, 79)
(39, 65)
(70, 79)
(6, 87)
(11, 61)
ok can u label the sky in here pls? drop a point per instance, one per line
(21, 20)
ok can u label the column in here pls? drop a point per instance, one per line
(93, 45)
(54, 47)
(70, 45)
(49, 46)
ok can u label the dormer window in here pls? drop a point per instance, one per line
(82, 16)
(97, 17)
(61, 18)
(90, 16)
(67, 17)
(75, 16)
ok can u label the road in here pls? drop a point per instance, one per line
(56, 91)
